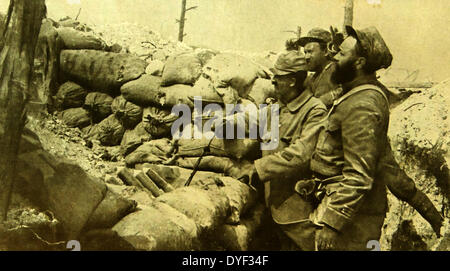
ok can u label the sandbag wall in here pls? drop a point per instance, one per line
(118, 98)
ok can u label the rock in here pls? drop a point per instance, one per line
(60, 186)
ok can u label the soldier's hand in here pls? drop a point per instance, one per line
(336, 39)
(326, 238)
(245, 173)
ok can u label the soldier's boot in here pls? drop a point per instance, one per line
(421, 203)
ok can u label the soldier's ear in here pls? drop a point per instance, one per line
(292, 82)
(360, 62)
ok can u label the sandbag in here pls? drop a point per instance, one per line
(126, 112)
(143, 91)
(206, 208)
(183, 94)
(75, 117)
(70, 95)
(133, 139)
(238, 237)
(101, 71)
(155, 67)
(154, 151)
(111, 209)
(181, 69)
(230, 70)
(232, 148)
(74, 39)
(208, 163)
(46, 63)
(62, 187)
(158, 122)
(99, 105)
(158, 227)
(261, 90)
(109, 131)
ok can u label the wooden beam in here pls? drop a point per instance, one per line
(19, 40)
(348, 15)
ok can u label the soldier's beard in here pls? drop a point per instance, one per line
(344, 73)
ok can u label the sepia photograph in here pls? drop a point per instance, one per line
(224, 125)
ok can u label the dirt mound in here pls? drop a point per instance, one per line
(419, 133)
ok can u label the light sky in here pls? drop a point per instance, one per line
(417, 31)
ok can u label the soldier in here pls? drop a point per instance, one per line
(299, 124)
(318, 60)
(353, 197)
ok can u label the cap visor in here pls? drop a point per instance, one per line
(278, 72)
(305, 40)
(351, 31)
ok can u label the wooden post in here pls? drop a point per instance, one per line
(182, 19)
(348, 15)
(18, 42)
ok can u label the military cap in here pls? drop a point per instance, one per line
(289, 62)
(315, 35)
(373, 45)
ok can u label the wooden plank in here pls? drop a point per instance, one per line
(17, 45)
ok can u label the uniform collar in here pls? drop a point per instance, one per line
(361, 80)
(298, 102)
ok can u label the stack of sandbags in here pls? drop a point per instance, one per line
(193, 218)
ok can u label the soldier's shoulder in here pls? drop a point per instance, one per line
(317, 104)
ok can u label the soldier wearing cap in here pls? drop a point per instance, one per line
(299, 123)
(352, 195)
(319, 62)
